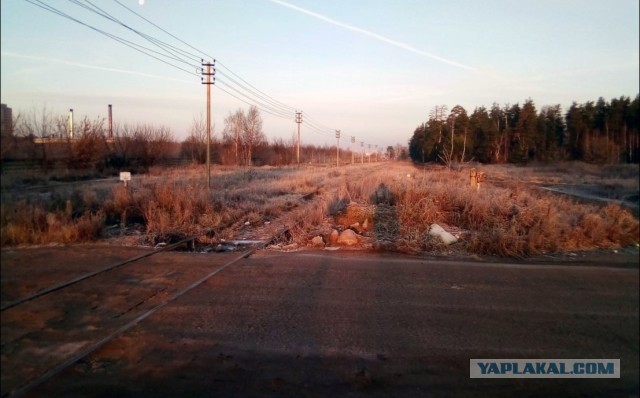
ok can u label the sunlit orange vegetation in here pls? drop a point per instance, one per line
(504, 217)
(513, 220)
(175, 203)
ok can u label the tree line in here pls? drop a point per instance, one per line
(40, 138)
(596, 132)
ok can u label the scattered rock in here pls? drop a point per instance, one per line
(292, 246)
(334, 236)
(356, 227)
(348, 237)
(247, 223)
(317, 241)
(438, 231)
(224, 248)
(365, 224)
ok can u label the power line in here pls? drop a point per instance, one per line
(144, 50)
(246, 102)
(259, 103)
(237, 84)
(250, 85)
(173, 51)
(220, 64)
(265, 98)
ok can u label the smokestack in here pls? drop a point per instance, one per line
(71, 123)
(110, 122)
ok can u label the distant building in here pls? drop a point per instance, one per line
(6, 121)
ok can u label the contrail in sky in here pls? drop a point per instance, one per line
(374, 35)
(79, 65)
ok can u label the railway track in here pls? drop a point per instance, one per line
(47, 331)
(82, 315)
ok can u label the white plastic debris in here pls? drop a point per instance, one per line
(446, 237)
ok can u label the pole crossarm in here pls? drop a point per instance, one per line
(208, 70)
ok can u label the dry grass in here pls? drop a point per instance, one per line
(30, 224)
(507, 219)
(516, 221)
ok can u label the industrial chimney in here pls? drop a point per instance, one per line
(71, 123)
(110, 123)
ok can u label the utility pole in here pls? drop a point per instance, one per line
(353, 141)
(362, 155)
(211, 79)
(369, 153)
(338, 148)
(298, 120)
(376, 154)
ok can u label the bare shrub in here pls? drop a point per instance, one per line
(26, 224)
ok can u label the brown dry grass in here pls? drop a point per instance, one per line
(516, 221)
(30, 224)
(507, 219)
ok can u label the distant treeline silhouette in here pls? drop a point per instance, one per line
(595, 132)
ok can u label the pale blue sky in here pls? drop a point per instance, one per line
(371, 68)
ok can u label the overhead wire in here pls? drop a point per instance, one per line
(244, 89)
(142, 49)
(262, 94)
(175, 52)
(264, 102)
(259, 104)
(221, 66)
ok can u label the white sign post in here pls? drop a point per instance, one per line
(125, 176)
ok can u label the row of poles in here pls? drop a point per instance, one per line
(208, 78)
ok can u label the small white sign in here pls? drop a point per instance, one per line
(125, 176)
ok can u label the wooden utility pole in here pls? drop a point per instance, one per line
(211, 79)
(362, 146)
(338, 148)
(298, 120)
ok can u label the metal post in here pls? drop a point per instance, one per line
(71, 123)
(338, 148)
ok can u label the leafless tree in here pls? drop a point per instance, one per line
(37, 125)
(233, 127)
(252, 134)
(194, 146)
(437, 116)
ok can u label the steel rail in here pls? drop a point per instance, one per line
(102, 342)
(92, 274)
(117, 265)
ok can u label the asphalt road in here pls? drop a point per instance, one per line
(336, 324)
